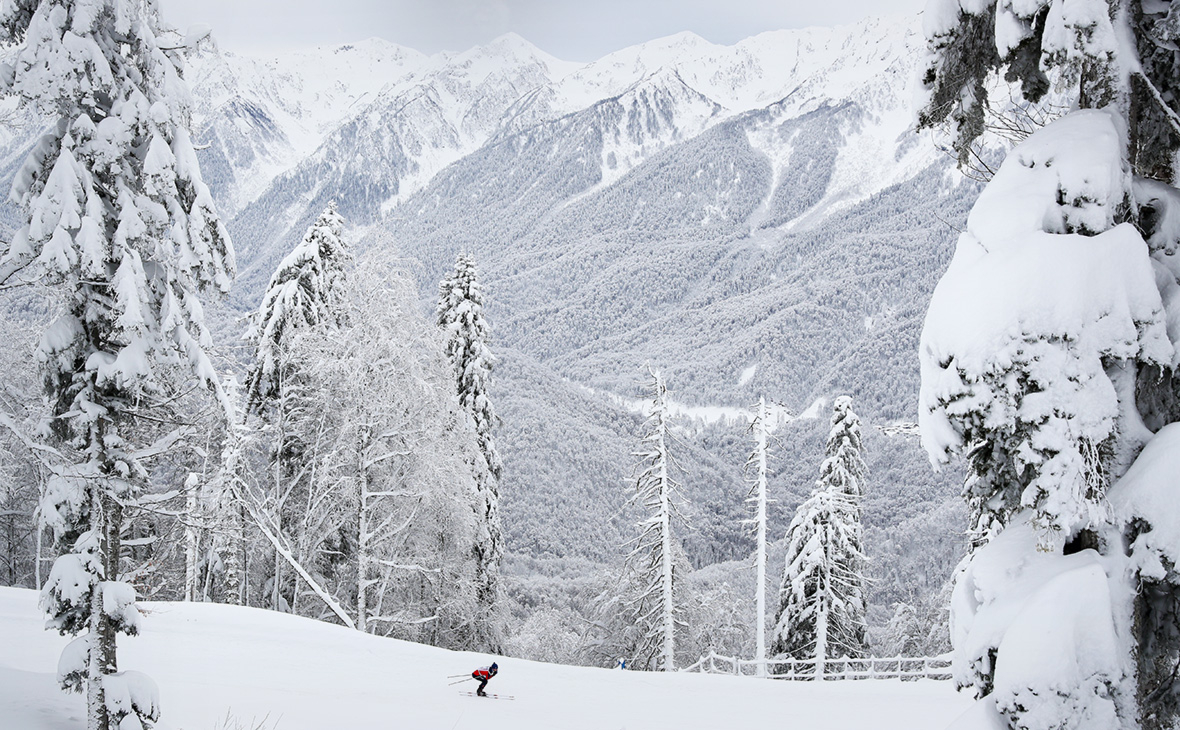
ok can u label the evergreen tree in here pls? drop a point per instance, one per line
(466, 330)
(305, 290)
(918, 627)
(119, 220)
(1074, 43)
(1052, 391)
(843, 468)
(821, 612)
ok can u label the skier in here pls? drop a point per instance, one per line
(483, 674)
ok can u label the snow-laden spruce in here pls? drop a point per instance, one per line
(120, 222)
(1119, 53)
(461, 317)
(1048, 359)
(1030, 355)
(1035, 333)
(821, 610)
(305, 290)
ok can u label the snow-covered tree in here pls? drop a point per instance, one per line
(192, 534)
(624, 620)
(547, 635)
(821, 611)
(757, 461)
(653, 559)
(393, 469)
(22, 473)
(918, 626)
(225, 515)
(305, 290)
(1048, 359)
(119, 221)
(843, 468)
(20, 486)
(719, 621)
(461, 317)
(1118, 54)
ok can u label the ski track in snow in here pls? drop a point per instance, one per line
(211, 659)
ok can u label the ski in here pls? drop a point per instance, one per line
(489, 695)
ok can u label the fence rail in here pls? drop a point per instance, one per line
(905, 668)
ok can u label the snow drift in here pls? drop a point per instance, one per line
(213, 660)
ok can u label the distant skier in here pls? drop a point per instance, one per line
(482, 675)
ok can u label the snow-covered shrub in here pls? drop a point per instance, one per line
(717, 621)
(547, 635)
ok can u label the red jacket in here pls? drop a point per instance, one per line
(483, 673)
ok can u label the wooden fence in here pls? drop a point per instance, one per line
(905, 668)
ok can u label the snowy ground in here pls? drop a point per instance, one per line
(212, 660)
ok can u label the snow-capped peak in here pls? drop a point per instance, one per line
(414, 114)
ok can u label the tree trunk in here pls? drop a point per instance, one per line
(40, 540)
(362, 552)
(668, 661)
(274, 588)
(233, 564)
(106, 520)
(191, 538)
(821, 638)
(760, 630)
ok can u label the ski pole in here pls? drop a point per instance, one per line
(452, 676)
(461, 681)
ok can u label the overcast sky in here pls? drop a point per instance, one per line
(574, 30)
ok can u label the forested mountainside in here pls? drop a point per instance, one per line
(753, 219)
(756, 219)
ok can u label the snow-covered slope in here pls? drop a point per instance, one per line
(259, 667)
